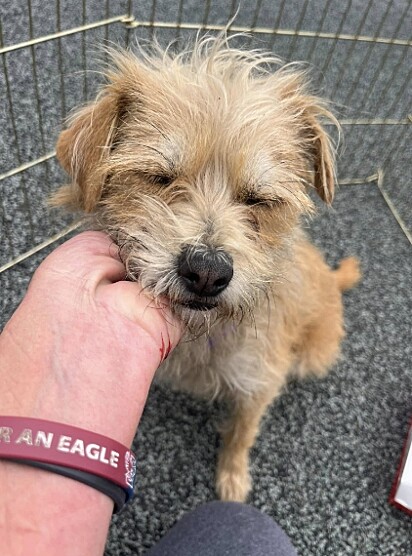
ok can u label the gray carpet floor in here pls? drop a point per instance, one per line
(328, 450)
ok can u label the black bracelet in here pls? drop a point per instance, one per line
(113, 491)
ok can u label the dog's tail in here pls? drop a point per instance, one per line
(348, 273)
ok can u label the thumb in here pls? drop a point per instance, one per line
(152, 315)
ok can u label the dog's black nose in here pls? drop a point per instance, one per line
(204, 271)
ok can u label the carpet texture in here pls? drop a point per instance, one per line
(328, 449)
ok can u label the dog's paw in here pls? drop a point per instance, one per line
(233, 485)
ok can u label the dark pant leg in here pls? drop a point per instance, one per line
(224, 528)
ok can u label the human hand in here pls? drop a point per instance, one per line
(83, 346)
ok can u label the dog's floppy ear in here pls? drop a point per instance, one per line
(307, 111)
(321, 153)
(83, 147)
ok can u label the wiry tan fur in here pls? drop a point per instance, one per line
(214, 148)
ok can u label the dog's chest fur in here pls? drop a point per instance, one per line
(224, 362)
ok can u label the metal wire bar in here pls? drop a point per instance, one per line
(26, 166)
(132, 22)
(367, 56)
(358, 181)
(4, 225)
(85, 87)
(36, 88)
(395, 142)
(233, 9)
(402, 89)
(256, 15)
(254, 21)
(268, 31)
(381, 65)
(392, 207)
(377, 121)
(298, 26)
(206, 14)
(350, 50)
(23, 186)
(60, 62)
(315, 41)
(118, 19)
(106, 31)
(277, 24)
(41, 246)
(35, 79)
(179, 20)
(378, 178)
(129, 18)
(152, 18)
(406, 183)
(335, 41)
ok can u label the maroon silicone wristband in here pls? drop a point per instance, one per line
(25, 438)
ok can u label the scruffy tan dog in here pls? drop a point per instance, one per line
(198, 165)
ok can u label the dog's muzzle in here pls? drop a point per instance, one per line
(204, 272)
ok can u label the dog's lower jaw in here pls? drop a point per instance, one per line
(198, 305)
(204, 318)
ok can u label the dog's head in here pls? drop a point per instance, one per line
(198, 166)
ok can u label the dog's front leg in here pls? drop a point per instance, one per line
(233, 481)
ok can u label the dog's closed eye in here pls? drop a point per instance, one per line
(252, 199)
(160, 179)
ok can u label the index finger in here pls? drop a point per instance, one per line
(90, 256)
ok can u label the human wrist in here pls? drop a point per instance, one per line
(91, 386)
(42, 510)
